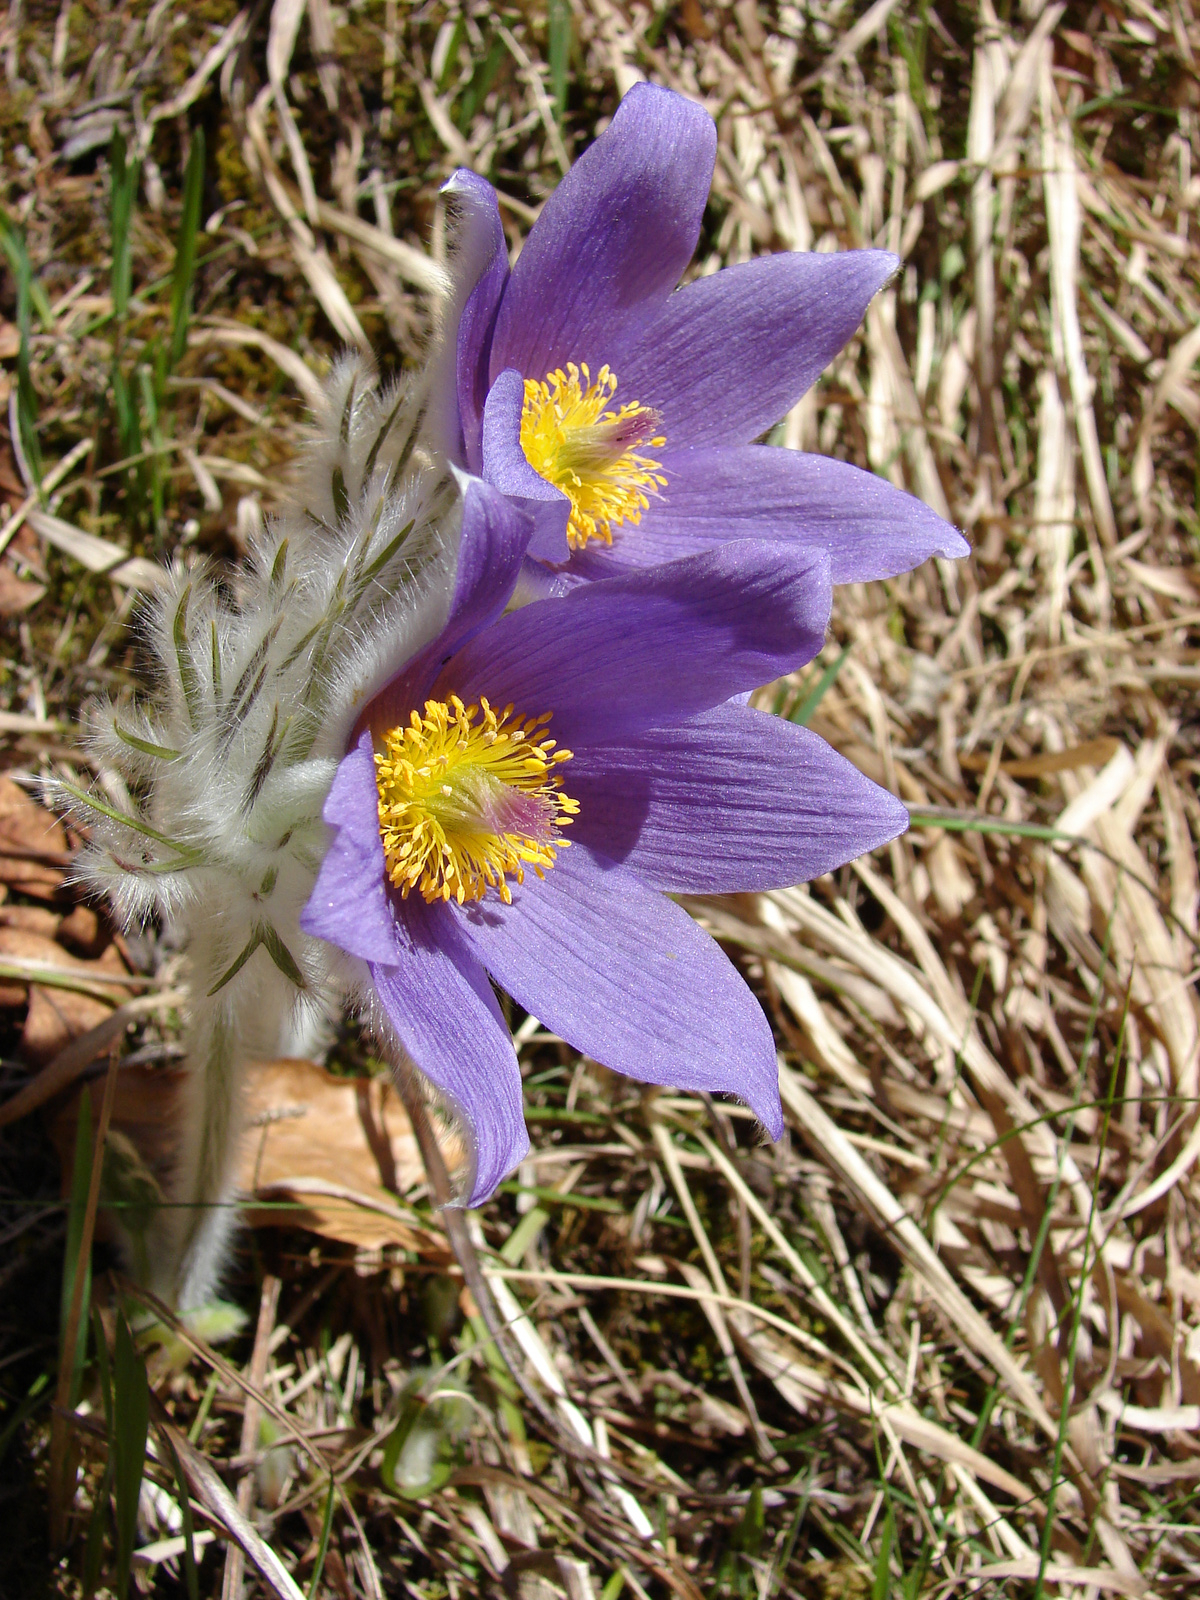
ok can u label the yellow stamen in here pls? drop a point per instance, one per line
(468, 796)
(591, 454)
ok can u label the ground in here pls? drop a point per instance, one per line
(944, 1337)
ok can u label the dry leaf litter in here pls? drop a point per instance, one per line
(945, 1338)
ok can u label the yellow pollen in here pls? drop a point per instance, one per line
(590, 453)
(467, 797)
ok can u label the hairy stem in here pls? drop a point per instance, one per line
(190, 1240)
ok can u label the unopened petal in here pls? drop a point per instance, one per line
(480, 268)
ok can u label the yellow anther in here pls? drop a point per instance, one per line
(466, 797)
(589, 452)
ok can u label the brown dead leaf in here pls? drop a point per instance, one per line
(10, 340)
(342, 1148)
(26, 547)
(695, 21)
(10, 479)
(28, 944)
(332, 1147)
(16, 596)
(26, 827)
(56, 1016)
(30, 919)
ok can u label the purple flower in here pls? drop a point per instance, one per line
(520, 800)
(621, 413)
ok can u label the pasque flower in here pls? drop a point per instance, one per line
(357, 774)
(522, 797)
(621, 411)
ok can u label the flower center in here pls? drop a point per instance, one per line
(467, 796)
(590, 453)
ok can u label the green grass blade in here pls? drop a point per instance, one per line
(747, 1537)
(29, 293)
(807, 707)
(40, 1393)
(185, 250)
(129, 432)
(882, 1586)
(657, 23)
(12, 242)
(559, 54)
(1076, 1304)
(125, 175)
(102, 1367)
(450, 65)
(191, 1577)
(481, 82)
(323, 1542)
(925, 817)
(201, 1417)
(80, 1179)
(152, 466)
(131, 1422)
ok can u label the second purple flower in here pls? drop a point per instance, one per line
(621, 414)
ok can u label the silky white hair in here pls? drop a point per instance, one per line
(258, 684)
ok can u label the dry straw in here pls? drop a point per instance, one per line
(948, 1332)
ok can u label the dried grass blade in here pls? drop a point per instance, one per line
(831, 1144)
(216, 1498)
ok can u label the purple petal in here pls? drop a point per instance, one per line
(653, 645)
(480, 269)
(870, 529)
(491, 550)
(626, 977)
(730, 354)
(614, 237)
(349, 906)
(731, 801)
(506, 465)
(438, 999)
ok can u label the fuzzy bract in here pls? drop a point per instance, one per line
(234, 754)
(675, 786)
(621, 411)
